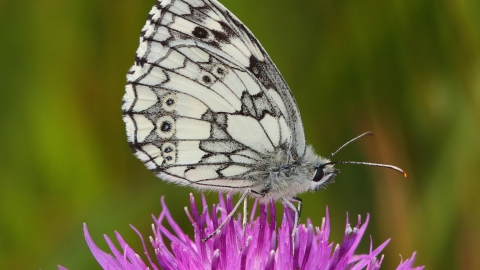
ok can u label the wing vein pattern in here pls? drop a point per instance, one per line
(204, 103)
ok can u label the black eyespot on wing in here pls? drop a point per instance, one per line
(168, 150)
(318, 175)
(206, 79)
(166, 126)
(219, 71)
(200, 32)
(169, 102)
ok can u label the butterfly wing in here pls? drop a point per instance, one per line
(204, 103)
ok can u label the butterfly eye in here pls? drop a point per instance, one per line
(318, 175)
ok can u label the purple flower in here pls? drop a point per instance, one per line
(258, 246)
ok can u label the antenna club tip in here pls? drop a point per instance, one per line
(405, 174)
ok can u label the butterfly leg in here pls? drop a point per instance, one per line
(230, 215)
(245, 212)
(244, 223)
(297, 211)
(299, 202)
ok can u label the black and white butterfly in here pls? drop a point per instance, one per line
(206, 107)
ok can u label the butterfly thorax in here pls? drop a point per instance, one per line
(284, 178)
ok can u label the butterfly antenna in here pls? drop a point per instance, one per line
(360, 162)
(347, 143)
(370, 164)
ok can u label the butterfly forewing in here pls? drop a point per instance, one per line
(204, 104)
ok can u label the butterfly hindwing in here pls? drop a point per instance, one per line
(204, 104)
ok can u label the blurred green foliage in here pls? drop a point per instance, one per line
(407, 70)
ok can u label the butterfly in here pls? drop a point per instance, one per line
(206, 107)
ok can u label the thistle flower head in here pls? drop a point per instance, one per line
(260, 245)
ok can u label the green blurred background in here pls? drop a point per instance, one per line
(407, 70)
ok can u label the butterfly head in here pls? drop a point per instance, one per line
(323, 174)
